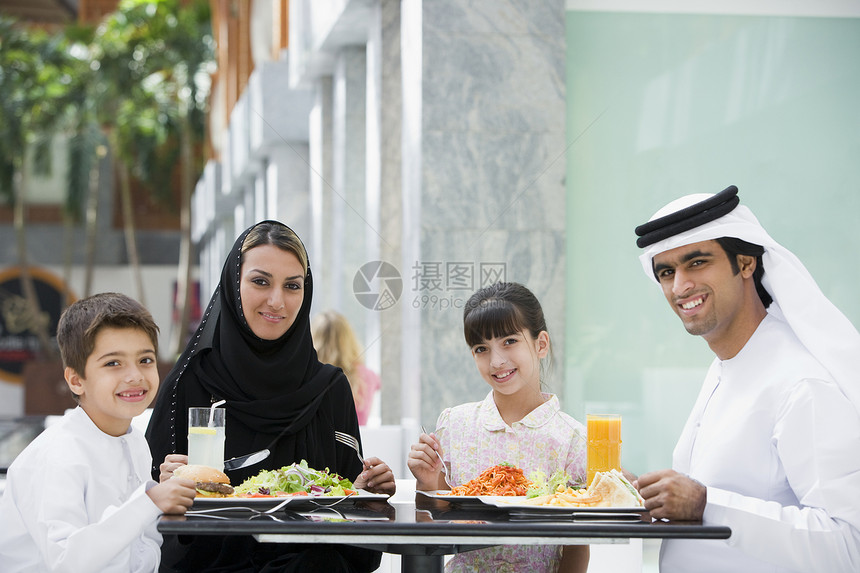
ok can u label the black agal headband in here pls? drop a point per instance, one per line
(687, 218)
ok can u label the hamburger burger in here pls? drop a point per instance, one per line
(209, 481)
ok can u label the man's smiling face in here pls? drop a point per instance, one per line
(702, 288)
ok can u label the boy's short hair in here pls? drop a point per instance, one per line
(82, 321)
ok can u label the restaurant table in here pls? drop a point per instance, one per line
(423, 531)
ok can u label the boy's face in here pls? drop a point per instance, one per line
(120, 379)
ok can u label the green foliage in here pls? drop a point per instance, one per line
(140, 76)
(154, 58)
(83, 150)
(35, 77)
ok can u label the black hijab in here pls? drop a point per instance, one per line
(279, 396)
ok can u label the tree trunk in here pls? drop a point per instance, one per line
(92, 217)
(128, 225)
(183, 280)
(37, 320)
(68, 254)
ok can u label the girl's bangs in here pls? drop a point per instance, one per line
(493, 318)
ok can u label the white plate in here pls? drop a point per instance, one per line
(516, 503)
(445, 495)
(264, 503)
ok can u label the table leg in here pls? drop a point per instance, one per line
(422, 563)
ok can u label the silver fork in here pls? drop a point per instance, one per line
(444, 465)
(238, 508)
(350, 441)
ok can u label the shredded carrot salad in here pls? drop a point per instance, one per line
(497, 480)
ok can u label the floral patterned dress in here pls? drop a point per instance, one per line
(474, 437)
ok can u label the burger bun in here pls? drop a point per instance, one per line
(210, 482)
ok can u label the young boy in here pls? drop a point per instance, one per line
(79, 497)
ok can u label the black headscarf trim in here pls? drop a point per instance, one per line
(688, 218)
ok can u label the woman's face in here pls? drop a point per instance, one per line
(272, 288)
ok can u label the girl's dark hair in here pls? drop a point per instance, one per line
(734, 247)
(500, 310)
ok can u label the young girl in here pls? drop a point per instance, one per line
(516, 423)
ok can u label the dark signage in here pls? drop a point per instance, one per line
(19, 327)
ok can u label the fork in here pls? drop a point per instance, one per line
(350, 441)
(330, 506)
(444, 465)
(238, 508)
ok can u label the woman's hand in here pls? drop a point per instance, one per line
(377, 477)
(425, 465)
(171, 462)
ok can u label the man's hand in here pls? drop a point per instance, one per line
(671, 495)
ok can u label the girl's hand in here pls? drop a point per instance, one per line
(377, 477)
(425, 464)
(171, 462)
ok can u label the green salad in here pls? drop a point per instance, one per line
(296, 478)
(541, 485)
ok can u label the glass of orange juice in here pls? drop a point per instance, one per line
(604, 443)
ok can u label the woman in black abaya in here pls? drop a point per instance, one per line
(254, 350)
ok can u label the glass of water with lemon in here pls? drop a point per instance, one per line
(206, 437)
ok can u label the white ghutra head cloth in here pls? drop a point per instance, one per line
(797, 300)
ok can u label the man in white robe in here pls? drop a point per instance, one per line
(771, 448)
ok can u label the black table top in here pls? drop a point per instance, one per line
(430, 522)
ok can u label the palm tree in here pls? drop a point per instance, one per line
(86, 149)
(184, 59)
(115, 93)
(35, 74)
(154, 57)
(140, 88)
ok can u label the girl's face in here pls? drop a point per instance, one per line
(272, 288)
(511, 364)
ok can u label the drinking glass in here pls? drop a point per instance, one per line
(206, 437)
(604, 443)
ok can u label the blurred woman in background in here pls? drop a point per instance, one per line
(336, 343)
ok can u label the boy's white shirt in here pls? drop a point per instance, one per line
(75, 500)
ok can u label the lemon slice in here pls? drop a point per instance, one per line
(201, 430)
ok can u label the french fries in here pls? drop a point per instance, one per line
(565, 497)
(607, 489)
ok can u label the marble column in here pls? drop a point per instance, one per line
(384, 188)
(483, 181)
(288, 187)
(320, 248)
(349, 218)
